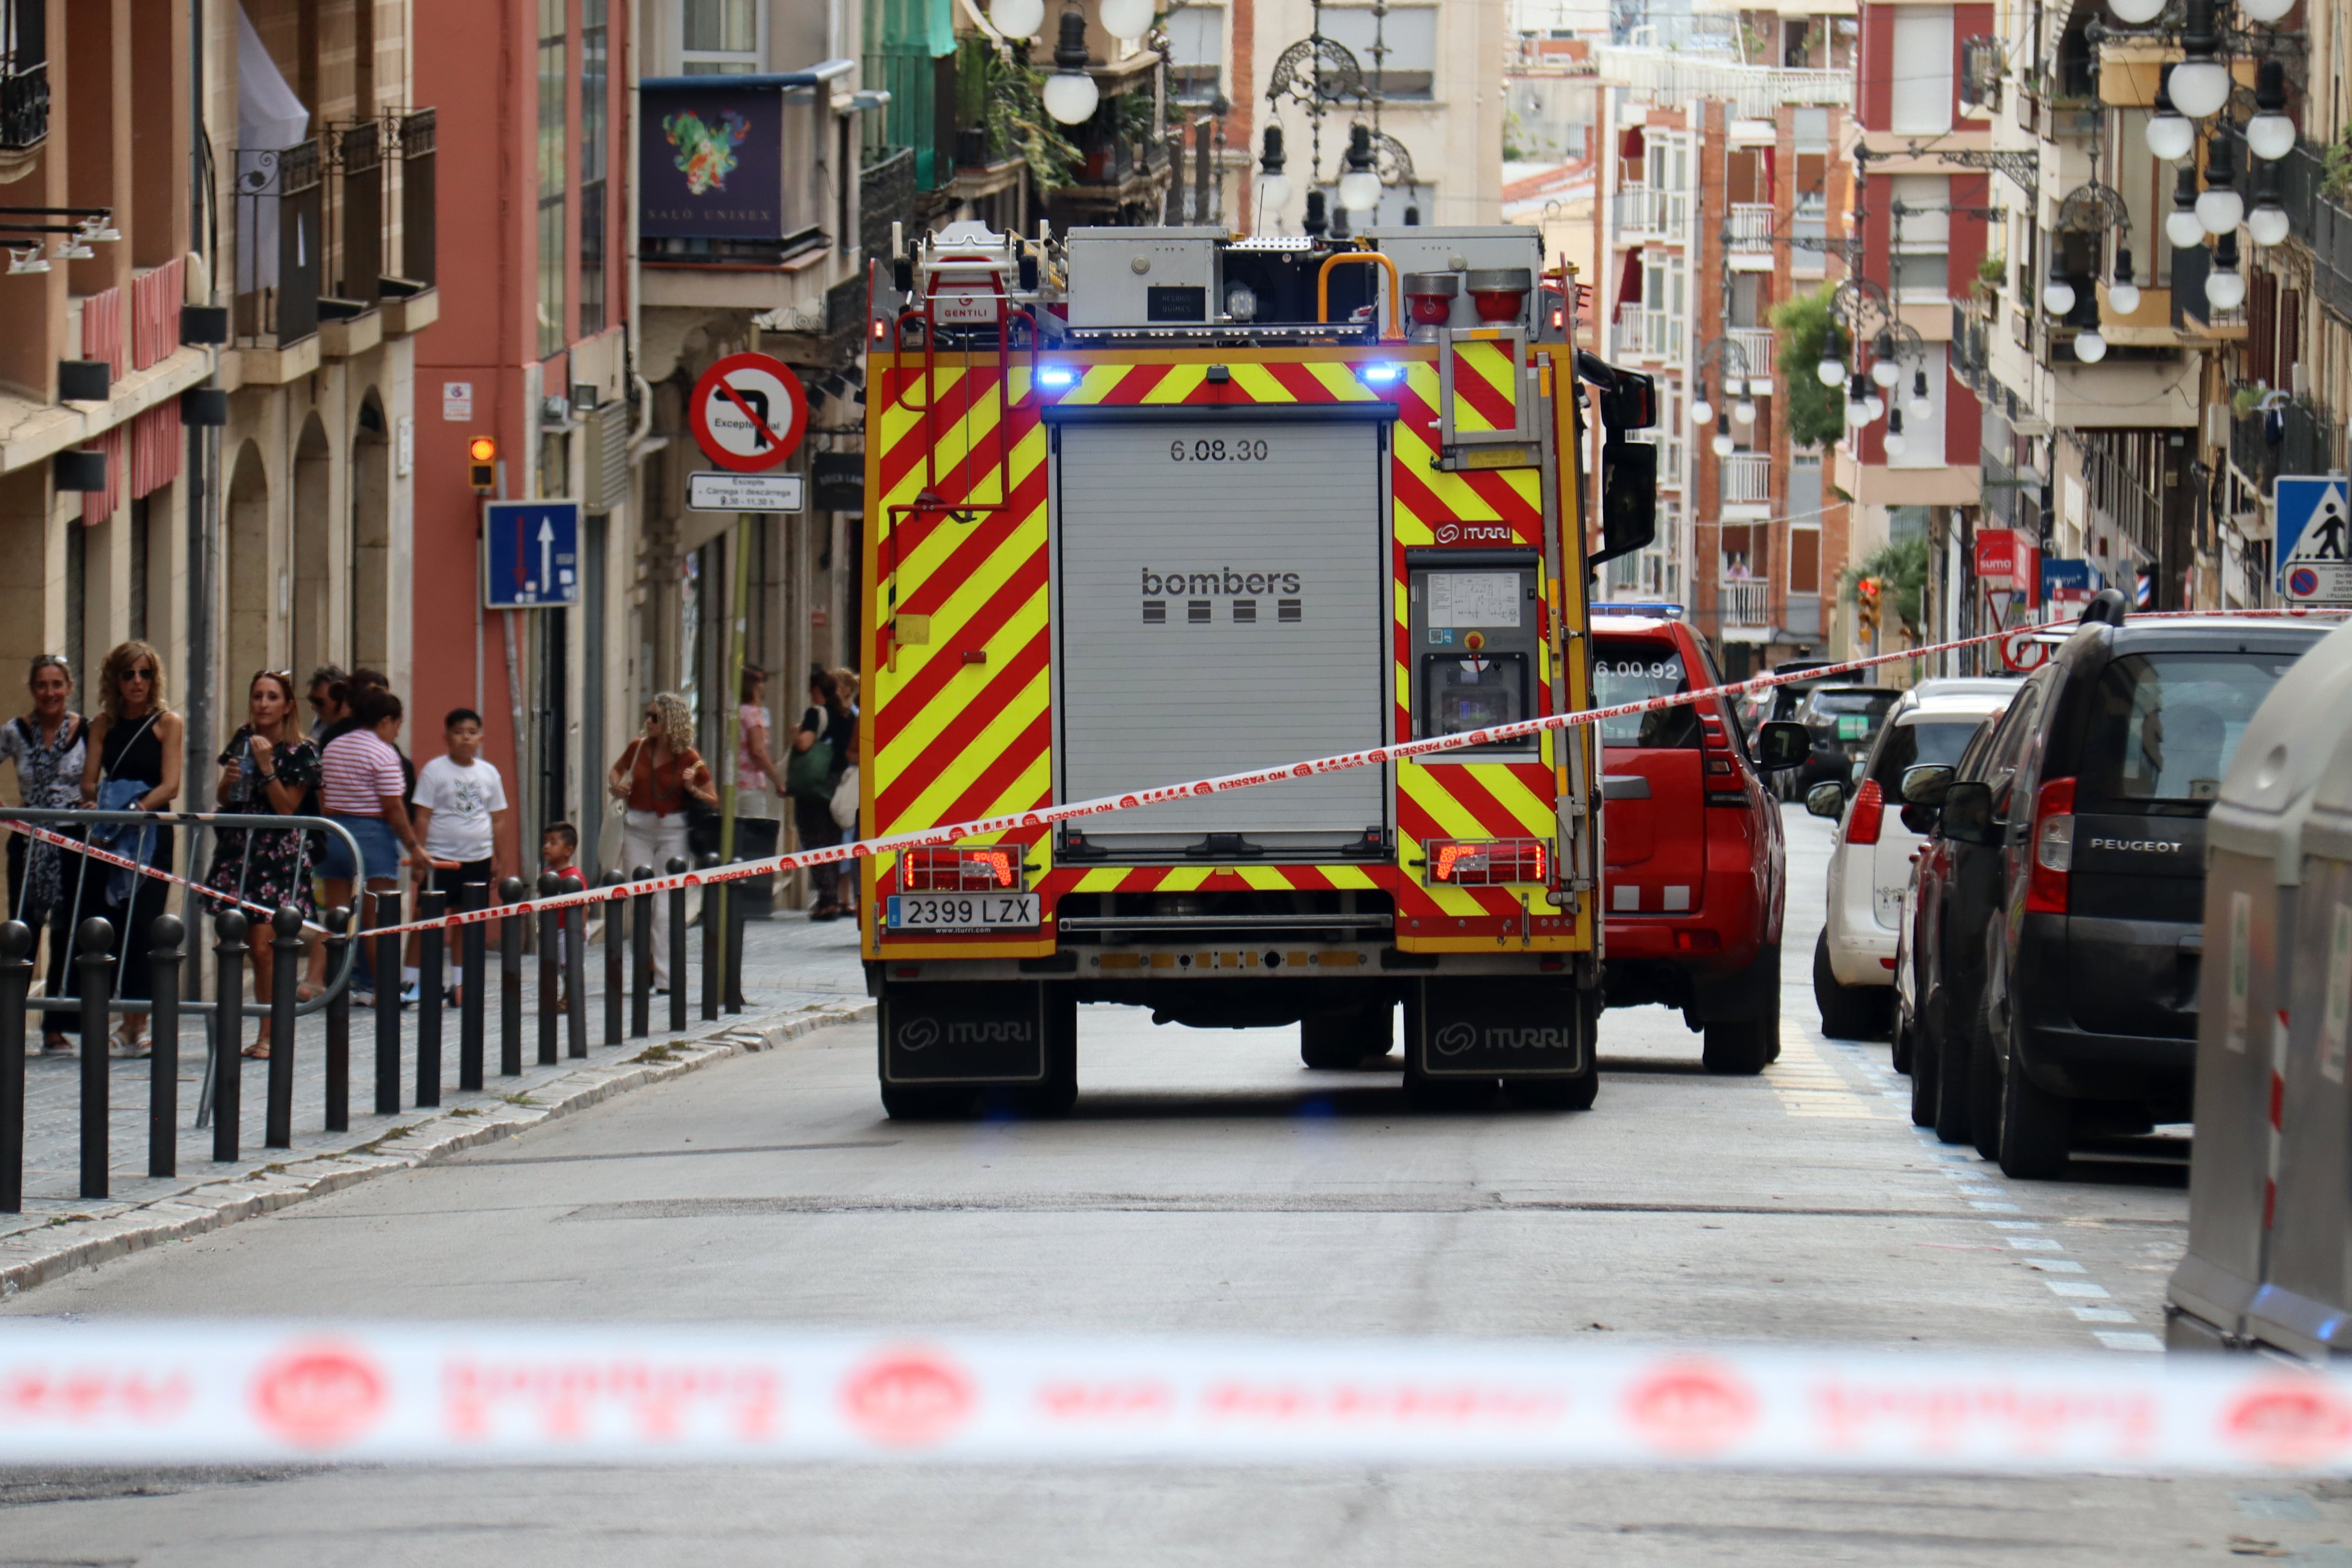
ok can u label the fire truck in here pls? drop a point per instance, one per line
(1151, 505)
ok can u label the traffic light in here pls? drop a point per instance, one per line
(1866, 606)
(482, 463)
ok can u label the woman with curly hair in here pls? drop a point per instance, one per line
(270, 766)
(653, 780)
(135, 745)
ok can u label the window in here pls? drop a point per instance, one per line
(1196, 52)
(1921, 92)
(1922, 262)
(2164, 726)
(1398, 52)
(719, 37)
(594, 122)
(1627, 671)
(554, 238)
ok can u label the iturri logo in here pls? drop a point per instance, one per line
(918, 1034)
(1456, 1038)
(1476, 533)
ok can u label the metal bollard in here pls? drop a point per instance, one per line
(641, 956)
(677, 867)
(575, 967)
(277, 1121)
(550, 926)
(96, 940)
(736, 916)
(714, 895)
(616, 985)
(472, 949)
(387, 1008)
(168, 939)
(228, 1025)
(338, 1024)
(16, 985)
(430, 906)
(510, 891)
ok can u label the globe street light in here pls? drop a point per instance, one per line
(2181, 225)
(2123, 293)
(1071, 95)
(1125, 19)
(2170, 134)
(1831, 370)
(2058, 290)
(1893, 440)
(2270, 134)
(1922, 406)
(2225, 285)
(1359, 187)
(1273, 184)
(1017, 18)
(2220, 209)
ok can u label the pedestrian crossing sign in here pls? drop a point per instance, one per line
(2314, 538)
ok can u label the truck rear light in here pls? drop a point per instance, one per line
(1486, 862)
(1697, 942)
(962, 870)
(1869, 809)
(2054, 848)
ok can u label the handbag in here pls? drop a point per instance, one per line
(809, 775)
(845, 800)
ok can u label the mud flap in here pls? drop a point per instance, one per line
(1494, 1027)
(973, 1031)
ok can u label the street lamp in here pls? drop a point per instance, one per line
(2265, 11)
(2267, 224)
(1071, 95)
(1273, 184)
(1893, 440)
(1857, 410)
(1125, 19)
(2201, 83)
(1831, 368)
(2270, 134)
(2058, 289)
(1922, 406)
(2225, 285)
(2123, 293)
(2089, 346)
(1017, 18)
(1722, 442)
(2170, 135)
(1744, 411)
(1359, 187)
(1702, 411)
(2220, 209)
(2181, 225)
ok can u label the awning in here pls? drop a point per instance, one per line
(1628, 290)
(1631, 147)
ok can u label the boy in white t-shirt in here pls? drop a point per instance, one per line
(461, 803)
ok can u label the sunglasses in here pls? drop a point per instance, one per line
(143, 673)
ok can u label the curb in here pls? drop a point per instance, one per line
(79, 1243)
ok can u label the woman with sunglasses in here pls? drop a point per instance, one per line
(135, 745)
(47, 745)
(270, 767)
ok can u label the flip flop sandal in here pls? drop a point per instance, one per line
(258, 1051)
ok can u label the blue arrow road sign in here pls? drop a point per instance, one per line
(2314, 540)
(531, 554)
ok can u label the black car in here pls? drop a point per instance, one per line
(1843, 721)
(2059, 982)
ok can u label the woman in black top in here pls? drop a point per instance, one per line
(830, 720)
(136, 743)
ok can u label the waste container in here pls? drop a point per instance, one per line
(2253, 873)
(2305, 1300)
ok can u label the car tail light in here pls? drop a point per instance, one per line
(1869, 809)
(962, 870)
(1485, 862)
(1715, 744)
(2054, 848)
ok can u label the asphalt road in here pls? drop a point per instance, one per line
(1208, 1183)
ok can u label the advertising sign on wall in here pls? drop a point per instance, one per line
(710, 164)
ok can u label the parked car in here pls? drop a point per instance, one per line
(1842, 721)
(2061, 968)
(1870, 863)
(1694, 885)
(1918, 1027)
(1779, 704)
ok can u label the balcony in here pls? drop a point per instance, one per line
(1665, 76)
(1741, 600)
(1747, 479)
(1639, 212)
(23, 106)
(280, 240)
(1756, 344)
(2297, 438)
(1748, 228)
(1646, 334)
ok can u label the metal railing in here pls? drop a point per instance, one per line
(1641, 209)
(278, 240)
(1741, 601)
(414, 259)
(1645, 333)
(1753, 91)
(1756, 343)
(1748, 226)
(25, 107)
(1746, 477)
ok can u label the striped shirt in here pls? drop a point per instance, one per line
(359, 771)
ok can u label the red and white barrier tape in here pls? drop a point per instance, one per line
(1047, 816)
(262, 913)
(209, 1392)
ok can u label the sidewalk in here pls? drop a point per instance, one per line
(798, 976)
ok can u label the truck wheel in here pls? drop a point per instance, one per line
(1576, 1093)
(1848, 1012)
(1951, 1050)
(1923, 1082)
(1059, 1092)
(2035, 1128)
(901, 1103)
(1738, 1045)
(1345, 1037)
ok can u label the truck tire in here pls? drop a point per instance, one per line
(1951, 1072)
(2036, 1128)
(1059, 1092)
(1345, 1037)
(1848, 1012)
(1576, 1093)
(1739, 1046)
(901, 1103)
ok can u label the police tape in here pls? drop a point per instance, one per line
(946, 833)
(209, 1392)
(89, 852)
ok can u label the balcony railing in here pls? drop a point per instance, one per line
(23, 106)
(1750, 227)
(1642, 210)
(1756, 343)
(1647, 334)
(2298, 437)
(1661, 76)
(1742, 600)
(412, 259)
(1747, 479)
(279, 241)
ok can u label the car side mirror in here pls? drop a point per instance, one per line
(1781, 744)
(1926, 784)
(1826, 800)
(1968, 813)
(1919, 819)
